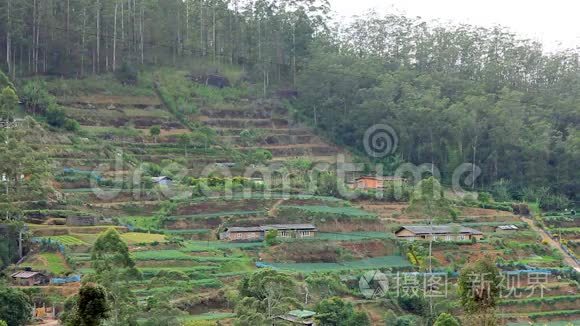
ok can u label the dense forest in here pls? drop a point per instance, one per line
(453, 94)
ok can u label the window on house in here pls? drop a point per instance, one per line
(448, 237)
(461, 237)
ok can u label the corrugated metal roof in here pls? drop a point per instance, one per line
(25, 274)
(301, 313)
(383, 178)
(289, 227)
(439, 229)
(245, 229)
(508, 227)
(271, 227)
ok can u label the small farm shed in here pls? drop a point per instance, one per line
(292, 230)
(439, 232)
(299, 317)
(257, 233)
(243, 233)
(375, 182)
(29, 278)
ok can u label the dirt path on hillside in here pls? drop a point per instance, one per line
(554, 244)
(272, 212)
(48, 322)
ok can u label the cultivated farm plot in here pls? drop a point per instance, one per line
(66, 240)
(345, 211)
(575, 322)
(161, 255)
(207, 316)
(196, 246)
(136, 237)
(369, 263)
(51, 262)
(352, 236)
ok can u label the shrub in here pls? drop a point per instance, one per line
(413, 304)
(272, 237)
(71, 125)
(484, 197)
(5, 81)
(407, 320)
(55, 116)
(555, 202)
(446, 319)
(8, 103)
(36, 98)
(521, 209)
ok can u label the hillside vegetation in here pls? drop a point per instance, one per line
(136, 133)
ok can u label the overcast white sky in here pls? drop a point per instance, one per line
(556, 23)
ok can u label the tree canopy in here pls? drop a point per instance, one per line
(337, 312)
(479, 286)
(110, 251)
(15, 306)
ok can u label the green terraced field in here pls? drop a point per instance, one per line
(351, 236)
(161, 255)
(51, 262)
(137, 237)
(264, 196)
(157, 255)
(209, 316)
(220, 214)
(369, 263)
(193, 246)
(152, 271)
(552, 323)
(66, 240)
(349, 211)
(143, 222)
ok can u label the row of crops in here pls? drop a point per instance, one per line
(369, 263)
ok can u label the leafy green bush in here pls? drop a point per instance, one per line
(5, 81)
(272, 237)
(407, 320)
(36, 98)
(8, 103)
(484, 197)
(71, 125)
(554, 313)
(555, 202)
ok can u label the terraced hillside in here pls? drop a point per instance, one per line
(174, 240)
(267, 125)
